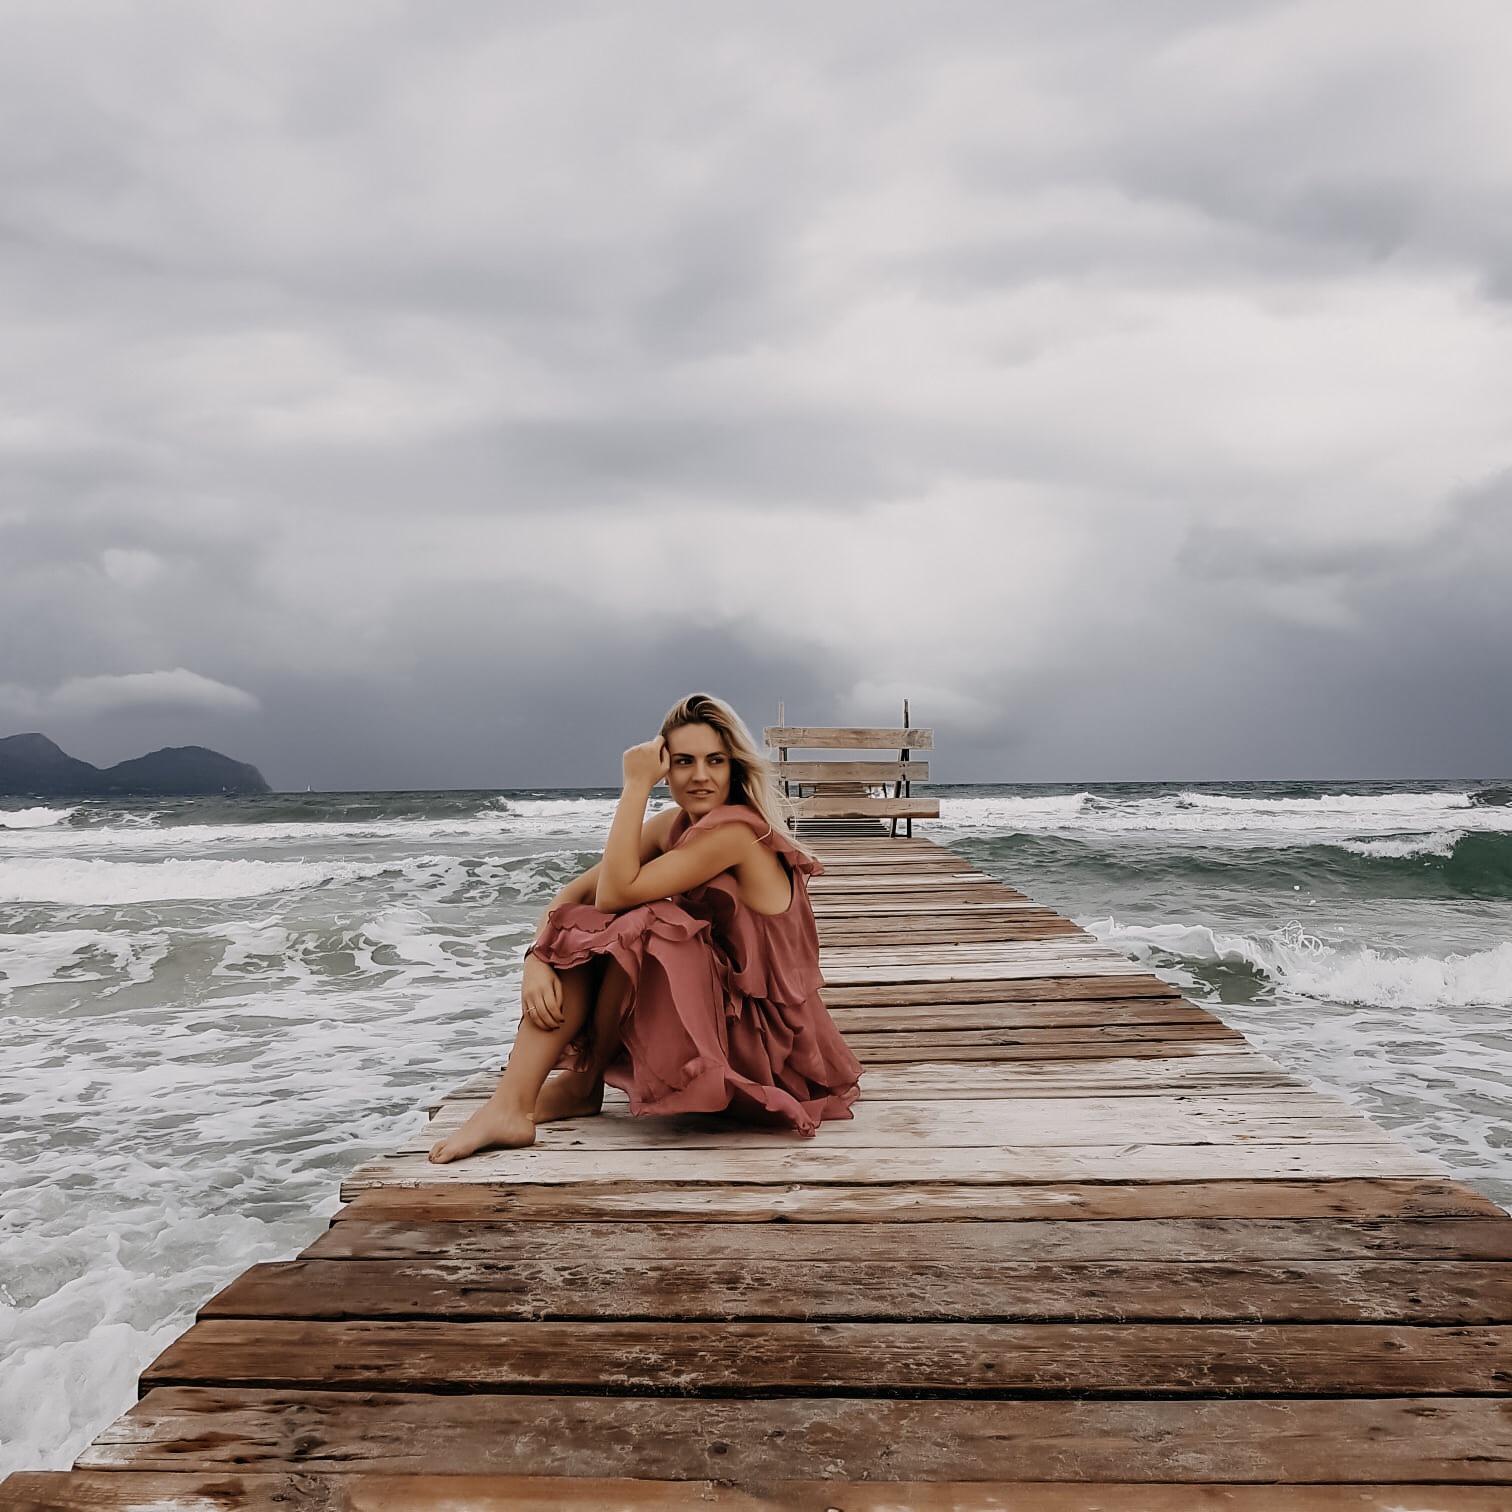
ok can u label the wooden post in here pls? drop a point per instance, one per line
(903, 788)
(782, 755)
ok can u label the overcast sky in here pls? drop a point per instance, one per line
(425, 394)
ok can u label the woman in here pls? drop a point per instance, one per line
(684, 967)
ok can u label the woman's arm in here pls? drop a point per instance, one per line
(644, 766)
(696, 861)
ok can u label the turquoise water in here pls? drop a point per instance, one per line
(213, 1008)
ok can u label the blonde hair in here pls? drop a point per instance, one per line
(751, 778)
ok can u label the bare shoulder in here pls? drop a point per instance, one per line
(731, 839)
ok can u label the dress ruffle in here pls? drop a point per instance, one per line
(724, 1010)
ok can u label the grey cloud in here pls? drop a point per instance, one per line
(526, 689)
(296, 294)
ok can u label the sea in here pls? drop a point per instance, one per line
(213, 1008)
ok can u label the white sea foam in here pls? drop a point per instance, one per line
(28, 959)
(1438, 843)
(144, 1167)
(103, 883)
(538, 821)
(1259, 820)
(32, 818)
(1304, 965)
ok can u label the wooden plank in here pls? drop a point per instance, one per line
(1422, 1439)
(1370, 1198)
(1108, 1076)
(847, 738)
(872, 773)
(882, 905)
(1209, 1066)
(957, 1042)
(834, 806)
(1041, 989)
(132, 1491)
(946, 895)
(968, 1123)
(1056, 1043)
(921, 929)
(847, 1359)
(1201, 1068)
(972, 952)
(818, 1162)
(1045, 967)
(964, 1016)
(891, 856)
(945, 931)
(1166, 1240)
(606, 1287)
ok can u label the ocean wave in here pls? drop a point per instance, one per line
(1491, 797)
(32, 818)
(1300, 964)
(1265, 819)
(1437, 864)
(1477, 864)
(95, 883)
(28, 959)
(542, 822)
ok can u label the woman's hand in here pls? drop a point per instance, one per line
(646, 764)
(541, 995)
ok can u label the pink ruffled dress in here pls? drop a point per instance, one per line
(724, 1010)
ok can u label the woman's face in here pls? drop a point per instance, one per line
(698, 769)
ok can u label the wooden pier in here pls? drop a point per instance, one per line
(1081, 1250)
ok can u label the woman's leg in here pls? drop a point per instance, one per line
(579, 1094)
(507, 1119)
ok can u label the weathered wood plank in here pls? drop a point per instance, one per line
(832, 806)
(941, 886)
(849, 1359)
(1069, 955)
(133, 1491)
(967, 1016)
(816, 1161)
(1029, 967)
(971, 1124)
(598, 1286)
(947, 897)
(847, 738)
(924, 932)
(1044, 989)
(872, 773)
(1218, 1068)
(1203, 1066)
(1086, 1240)
(1424, 1439)
(806, 1202)
(1059, 1043)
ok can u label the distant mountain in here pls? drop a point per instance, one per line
(33, 766)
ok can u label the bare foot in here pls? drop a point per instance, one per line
(569, 1094)
(492, 1127)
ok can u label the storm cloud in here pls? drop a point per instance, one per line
(406, 395)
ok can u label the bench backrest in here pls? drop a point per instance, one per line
(847, 788)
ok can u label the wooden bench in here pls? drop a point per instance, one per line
(840, 796)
